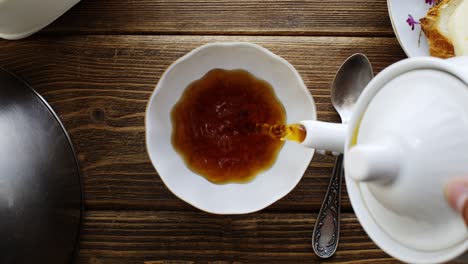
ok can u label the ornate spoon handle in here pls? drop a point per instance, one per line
(327, 226)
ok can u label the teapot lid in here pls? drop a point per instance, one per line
(407, 143)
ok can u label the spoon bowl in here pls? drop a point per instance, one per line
(352, 77)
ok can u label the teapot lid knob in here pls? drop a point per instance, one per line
(374, 162)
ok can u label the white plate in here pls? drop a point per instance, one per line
(413, 42)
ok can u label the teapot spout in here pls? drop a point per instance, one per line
(377, 163)
(324, 136)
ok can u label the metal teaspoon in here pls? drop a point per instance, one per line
(352, 77)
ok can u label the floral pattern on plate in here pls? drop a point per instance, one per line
(405, 15)
(411, 21)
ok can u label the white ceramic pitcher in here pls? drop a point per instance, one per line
(407, 137)
(21, 18)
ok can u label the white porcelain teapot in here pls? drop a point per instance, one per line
(408, 135)
(21, 18)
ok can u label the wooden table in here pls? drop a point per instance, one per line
(97, 66)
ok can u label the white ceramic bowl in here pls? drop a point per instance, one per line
(233, 198)
(21, 18)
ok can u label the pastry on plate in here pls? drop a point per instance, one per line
(446, 28)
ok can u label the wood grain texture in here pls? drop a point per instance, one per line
(110, 237)
(99, 86)
(97, 66)
(226, 17)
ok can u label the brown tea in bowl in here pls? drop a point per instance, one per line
(215, 126)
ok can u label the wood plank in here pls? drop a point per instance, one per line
(110, 237)
(99, 86)
(226, 17)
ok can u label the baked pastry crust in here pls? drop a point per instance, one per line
(439, 45)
